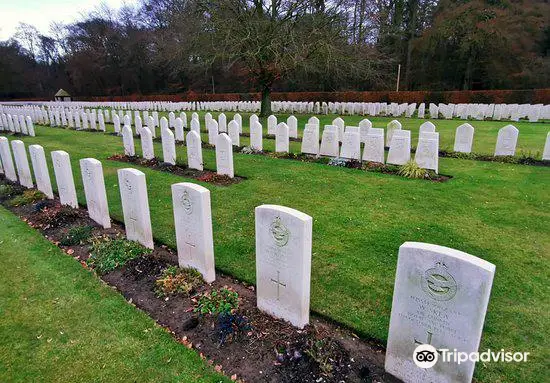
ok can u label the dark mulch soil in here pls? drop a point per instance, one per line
(270, 350)
(204, 176)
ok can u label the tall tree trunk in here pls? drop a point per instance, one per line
(468, 73)
(266, 101)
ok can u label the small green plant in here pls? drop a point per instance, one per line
(412, 170)
(6, 191)
(28, 197)
(107, 253)
(77, 235)
(217, 302)
(175, 280)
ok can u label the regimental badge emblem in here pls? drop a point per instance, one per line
(279, 232)
(186, 203)
(438, 283)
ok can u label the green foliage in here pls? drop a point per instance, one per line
(523, 158)
(107, 253)
(412, 170)
(175, 280)
(28, 197)
(217, 302)
(6, 191)
(77, 235)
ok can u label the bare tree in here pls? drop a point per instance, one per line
(274, 38)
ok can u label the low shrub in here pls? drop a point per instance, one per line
(108, 254)
(217, 302)
(175, 280)
(412, 170)
(76, 236)
(28, 197)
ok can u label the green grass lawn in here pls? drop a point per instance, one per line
(498, 212)
(59, 323)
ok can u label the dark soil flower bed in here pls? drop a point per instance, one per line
(270, 350)
(204, 175)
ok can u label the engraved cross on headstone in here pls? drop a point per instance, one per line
(429, 336)
(279, 284)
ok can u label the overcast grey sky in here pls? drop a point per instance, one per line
(41, 13)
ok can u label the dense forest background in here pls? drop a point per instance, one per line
(173, 46)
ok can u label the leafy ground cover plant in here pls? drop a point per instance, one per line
(108, 253)
(175, 280)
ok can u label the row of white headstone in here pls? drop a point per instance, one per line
(513, 112)
(224, 148)
(17, 124)
(440, 295)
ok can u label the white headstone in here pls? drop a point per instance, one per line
(283, 263)
(222, 123)
(390, 129)
(426, 127)
(233, 129)
(64, 178)
(281, 138)
(151, 125)
(464, 138)
(292, 123)
(271, 125)
(171, 119)
(546, 153)
(135, 206)
(256, 135)
(364, 126)
(195, 126)
(116, 123)
(128, 141)
(340, 124)
(22, 164)
(427, 151)
(168, 146)
(94, 189)
(239, 120)
(139, 124)
(313, 120)
(193, 222)
(147, 146)
(30, 127)
(101, 121)
(41, 172)
(506, 141)
(224, 155)
(310, 139)
(400, 147)
(440, 298)
(330, 146)
(194, 151)
(7, 161)
(374, 146)
(351, 144)
(178, 129)
(212, 126)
